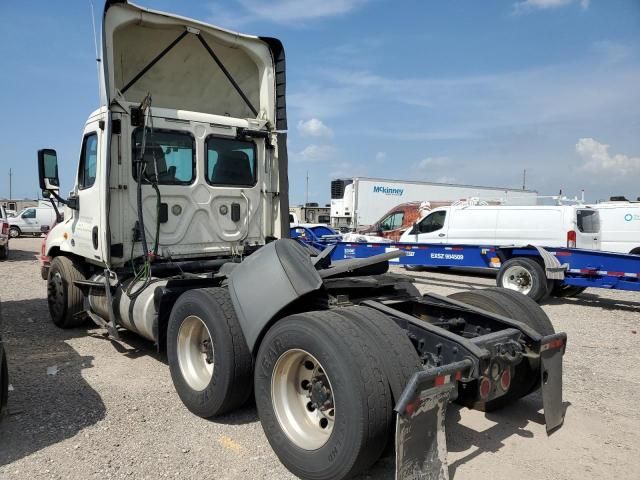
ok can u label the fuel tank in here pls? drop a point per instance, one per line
(135, 310)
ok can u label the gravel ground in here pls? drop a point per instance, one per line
(84, 407)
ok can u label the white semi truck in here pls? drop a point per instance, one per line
(360, 201)
(177, 230)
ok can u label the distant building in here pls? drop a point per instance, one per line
(18, 205)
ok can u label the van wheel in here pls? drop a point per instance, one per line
(14, 232)
(526, 276)
(526, 374)
(322, 396)
(64, 298)
(635, 251)
(209, 360)
(4, 252)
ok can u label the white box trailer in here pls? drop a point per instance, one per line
(361, 201)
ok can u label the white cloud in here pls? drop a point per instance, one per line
(314, 128)
(280, 11)
(430, 162)
(598, 159)
(315, 153)
(525, 6)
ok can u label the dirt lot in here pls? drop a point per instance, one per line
(85, 407)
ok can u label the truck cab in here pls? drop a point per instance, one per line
(184, 151)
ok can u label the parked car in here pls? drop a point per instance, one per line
(4, 376)
(619, 226)
(4, 234)
(31, 221)
(551, 226)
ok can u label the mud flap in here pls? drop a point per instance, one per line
(421, 444)
(552, 349)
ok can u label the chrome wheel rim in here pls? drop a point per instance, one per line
(13, 233)
(302, 399)
(195, 353)
(518, 278)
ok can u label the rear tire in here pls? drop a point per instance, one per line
(395, 351)
(511, 304)
(4, 252)
(209, 360)
(525, 276)
(64, 298)
(360, 400)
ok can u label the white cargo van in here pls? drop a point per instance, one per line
(31, 221)
(550, 226)
(619, 226)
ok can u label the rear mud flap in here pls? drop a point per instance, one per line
(421, 444)
(552, 349)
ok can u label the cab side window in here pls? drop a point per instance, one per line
(29, 213)
(392, 222)
(88, 161)
(432, 222)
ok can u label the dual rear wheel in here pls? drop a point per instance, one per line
(325, 382)
(323, 391)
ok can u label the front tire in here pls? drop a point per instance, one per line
(14, 232)
(64, 298)
(209, 360)
(322, 395)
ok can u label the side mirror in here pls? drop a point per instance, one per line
(48, 169)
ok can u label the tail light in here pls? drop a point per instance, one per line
(5, 228)
(571, 239)
(485, 388)
(505, 379)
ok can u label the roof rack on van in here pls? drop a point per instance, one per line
(468, 202)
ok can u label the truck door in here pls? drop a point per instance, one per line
(588, 229)
(86, 224)
(232, 168)
(432, 228)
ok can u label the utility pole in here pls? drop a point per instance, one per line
(10, 189)
(306, 195)
(524, 179)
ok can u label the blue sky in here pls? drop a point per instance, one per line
(460, 91)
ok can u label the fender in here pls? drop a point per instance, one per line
(267, 281)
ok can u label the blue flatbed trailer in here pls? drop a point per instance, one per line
(563, 267)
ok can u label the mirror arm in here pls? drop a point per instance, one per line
(71, 202)
(55, 209)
